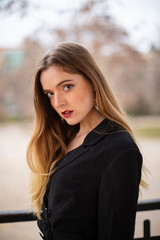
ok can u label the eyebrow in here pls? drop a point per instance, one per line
(60, 83)
(69, 80)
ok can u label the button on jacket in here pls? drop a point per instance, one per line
(93, 192)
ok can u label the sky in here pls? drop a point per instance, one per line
(139, 17)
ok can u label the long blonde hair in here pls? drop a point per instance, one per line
(51, 136)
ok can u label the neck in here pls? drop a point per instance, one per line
(90, 122)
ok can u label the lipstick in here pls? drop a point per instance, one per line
(67, 113)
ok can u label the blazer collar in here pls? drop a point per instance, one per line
(99, 132)
(93, 137)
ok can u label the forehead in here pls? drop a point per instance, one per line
(52, 71)
(53, 74)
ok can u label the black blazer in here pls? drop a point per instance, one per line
(93, 191)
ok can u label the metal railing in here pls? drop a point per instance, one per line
(143, 205)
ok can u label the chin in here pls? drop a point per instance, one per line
(72, 121)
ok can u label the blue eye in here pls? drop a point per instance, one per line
(67, 87)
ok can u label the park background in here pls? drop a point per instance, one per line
(124, 37)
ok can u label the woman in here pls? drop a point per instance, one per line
(86, 166)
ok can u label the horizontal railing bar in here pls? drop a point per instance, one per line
(148, 205)
(17, 216)
(25, 215)
(150, 238)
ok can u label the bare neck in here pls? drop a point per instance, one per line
(89, 124)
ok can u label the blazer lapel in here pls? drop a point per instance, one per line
(96, 135)
(69, 157)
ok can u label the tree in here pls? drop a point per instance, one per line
(16, 98)
(12, 6)
(133, 76)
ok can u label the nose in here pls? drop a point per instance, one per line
(59, 100)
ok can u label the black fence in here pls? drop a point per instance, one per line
(144, 205)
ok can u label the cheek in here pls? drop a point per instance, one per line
(84, 97)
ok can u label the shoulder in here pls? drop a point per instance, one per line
(120, 155)
(116, 137)
(109, 139)
(120, 140)
(115, 143)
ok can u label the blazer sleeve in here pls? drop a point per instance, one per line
(118, 195)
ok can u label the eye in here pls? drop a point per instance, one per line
(68, 87)
(49, 94)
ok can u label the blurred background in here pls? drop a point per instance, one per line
(124, 37)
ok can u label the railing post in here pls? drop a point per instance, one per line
(146, 229)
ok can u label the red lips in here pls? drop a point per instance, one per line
(67, 113)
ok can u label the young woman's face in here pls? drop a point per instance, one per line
(71, 95)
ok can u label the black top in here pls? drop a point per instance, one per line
(93, 191)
